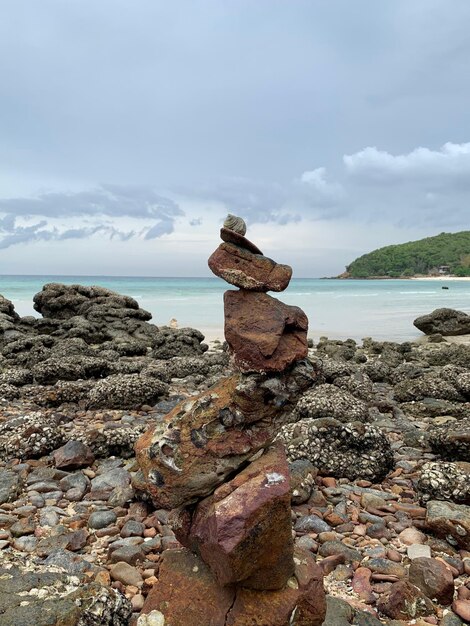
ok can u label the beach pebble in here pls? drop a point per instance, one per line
(101, 519)
(126, 574)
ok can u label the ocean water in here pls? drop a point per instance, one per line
(382, 309)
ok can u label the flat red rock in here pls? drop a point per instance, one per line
(246, 270)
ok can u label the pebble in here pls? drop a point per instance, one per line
(417, 551)
(462, 609)
(411, 536)
(126, 574)
(101, 519)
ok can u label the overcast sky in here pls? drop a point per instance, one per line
(128, 129)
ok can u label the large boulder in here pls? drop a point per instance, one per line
(246, 270)
(243, 530)
(446, 322)
(350, 450)
(264, 334)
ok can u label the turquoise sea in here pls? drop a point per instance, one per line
(382, 309)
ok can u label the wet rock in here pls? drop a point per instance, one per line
(433, 578)
(73, 455)
(243, 530)
(263, 333)
(444, 321)
(450, 521)
(352, 450)
(246, 270)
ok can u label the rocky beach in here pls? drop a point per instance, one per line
(150, 479)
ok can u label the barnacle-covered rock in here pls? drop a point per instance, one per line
(39, 595)
(351, 450)
(427, 386)
(30, 436)
(121, 391)
(171, 342)
(330, 401)
(445, 481)
(452, 441)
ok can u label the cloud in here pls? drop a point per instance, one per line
(421, 165)
(108, 202)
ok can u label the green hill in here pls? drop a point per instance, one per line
(423, 257)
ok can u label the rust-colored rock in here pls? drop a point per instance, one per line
(230, 236)
(204, 439)
(264, 334)
(433, 578)
(187, 594)
(405, 601)
(246, 270)
(243, 530)
(301, 603)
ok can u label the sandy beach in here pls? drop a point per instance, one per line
(441, 278)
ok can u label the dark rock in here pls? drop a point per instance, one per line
(445, 322)
(9, 484)
(178, 342)
(73, 455)
(263, 333)
(42, 598)
(302, 480)
(246, 270)
(101, 519)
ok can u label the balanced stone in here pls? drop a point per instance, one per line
(246, 270)
(235, 223)
(194, 448)
(230, 236)
(243, 530)
(264, 334)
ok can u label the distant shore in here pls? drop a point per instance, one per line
(442, 278)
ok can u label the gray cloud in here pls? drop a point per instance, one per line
(108, 201)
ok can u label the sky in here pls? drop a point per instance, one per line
(130, 128)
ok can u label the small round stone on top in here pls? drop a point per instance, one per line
(237, 224)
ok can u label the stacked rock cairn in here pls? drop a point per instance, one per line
(212, 462)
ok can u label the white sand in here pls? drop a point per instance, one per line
(443, 278)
